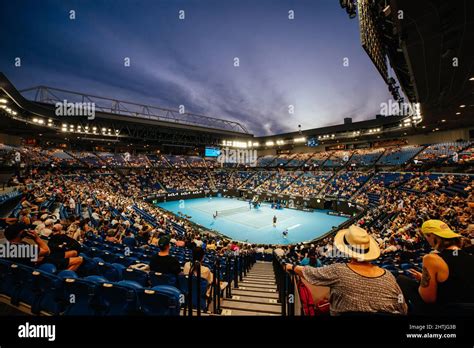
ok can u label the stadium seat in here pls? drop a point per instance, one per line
(116, 299)
(136, 275)
(160, 300)
(157, 278)
(183, 285)
(80, 297)
(112, 272)
(48, 267)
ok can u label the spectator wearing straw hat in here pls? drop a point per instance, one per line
(357, 286)
(447, 275)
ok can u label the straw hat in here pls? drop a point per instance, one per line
(356, 243)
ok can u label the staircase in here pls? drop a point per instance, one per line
(257, 293)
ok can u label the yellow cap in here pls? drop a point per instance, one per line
(439, 228)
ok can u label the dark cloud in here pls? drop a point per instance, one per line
(190, 62)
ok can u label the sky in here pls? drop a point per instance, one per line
(284, 64)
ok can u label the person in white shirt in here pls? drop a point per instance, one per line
(198, 241)
(279, 251)
(47, 229)
(72, 204)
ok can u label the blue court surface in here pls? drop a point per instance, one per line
(237, 221)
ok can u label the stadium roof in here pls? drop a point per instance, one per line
(430, 45)
(122, 121)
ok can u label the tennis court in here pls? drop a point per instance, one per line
(236, 220)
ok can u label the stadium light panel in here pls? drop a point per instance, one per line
(269, 143)
(299, 140)
(458, 113)
(35, 120)
(256, 144)
(471, 79)
(4, 101)
(462, 106)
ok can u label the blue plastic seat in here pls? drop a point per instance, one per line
(48, 268)
(157, 278)
(117, 299)
(88, 266)
(184, 288)
(51, 294)
(109, 271)
(67, 274)
(136, 275)
(80, 297)
(8, 282)
(160, 300)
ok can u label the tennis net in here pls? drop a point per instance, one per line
(232, 211)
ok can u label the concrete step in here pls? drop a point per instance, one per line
(257, 278)
(257, 281)
(258, 285)
(255, 307)
(243, 313)
(260, 294)
(257, 289)
(261, 275)
(252, 299)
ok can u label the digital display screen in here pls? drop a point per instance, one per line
(212, 152)
(312, 142)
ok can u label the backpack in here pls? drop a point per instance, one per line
(309, 307)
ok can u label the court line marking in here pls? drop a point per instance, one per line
(294, 226)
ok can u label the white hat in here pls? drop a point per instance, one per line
(355, 242)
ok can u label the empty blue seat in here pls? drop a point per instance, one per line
(157, 278)
(80, 297)
(184, 287)
(48, 267)
(8, 279)
(160, 300)
(88, 266)
(112, 272)
(51, 294)
(136, 275)
(117, 299)
(67, 274)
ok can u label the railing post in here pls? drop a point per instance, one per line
(236, 272)
(198, 287)
(283, 278)
(291, 295)
(241, 266)
(229, 279)
(190, 292)
(215, 294)
(219, 287)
